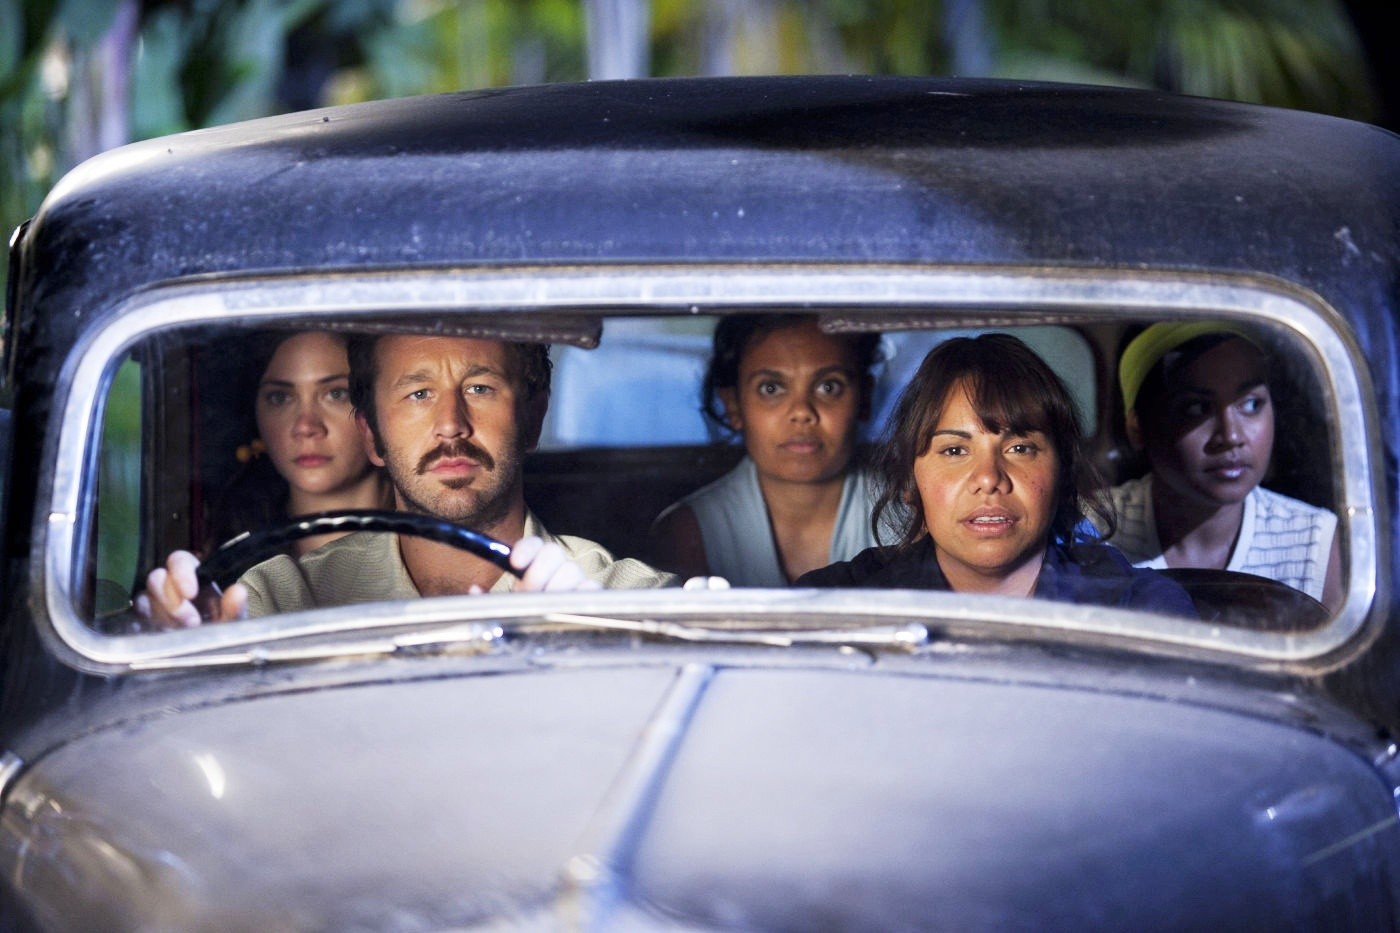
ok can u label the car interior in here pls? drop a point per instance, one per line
(624, 437)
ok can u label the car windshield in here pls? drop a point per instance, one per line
(163, 453)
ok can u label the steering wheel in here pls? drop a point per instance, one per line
(237, 555)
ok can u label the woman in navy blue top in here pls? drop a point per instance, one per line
(985, 485)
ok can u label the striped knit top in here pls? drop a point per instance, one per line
(1280, 537)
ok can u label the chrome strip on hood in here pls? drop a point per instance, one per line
(596, 877)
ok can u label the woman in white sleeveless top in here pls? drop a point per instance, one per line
(1198, 403)
(796, 397)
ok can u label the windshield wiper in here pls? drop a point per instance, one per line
(909, 635)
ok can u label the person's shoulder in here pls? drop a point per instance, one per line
(1131, 490)
(866, 475)
(615, 573)
(735, 483)
(1099, 556)
(275, 567)
(1147, 589)
(1270, 503)
(348, 550)
(598, 563)
(276, 585)
(675, 540)
(865, 484)
(1104, 559)
(284, 583)
(629, 573)
(678, 513)
(676, 523)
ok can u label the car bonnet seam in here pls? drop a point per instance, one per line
(597, 875)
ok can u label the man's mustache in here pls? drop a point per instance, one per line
(462, 448)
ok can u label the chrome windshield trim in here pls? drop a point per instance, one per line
(946, 616)
(883, 294)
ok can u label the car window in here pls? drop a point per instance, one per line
(624, 440)
(119, 500)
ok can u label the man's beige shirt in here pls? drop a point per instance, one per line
(366, 567)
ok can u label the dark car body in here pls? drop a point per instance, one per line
(754, 759)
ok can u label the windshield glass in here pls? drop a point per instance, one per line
(773, 449)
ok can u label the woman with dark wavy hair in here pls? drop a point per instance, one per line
(308, 456)
(986, 486)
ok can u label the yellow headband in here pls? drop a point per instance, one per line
(1156, 342)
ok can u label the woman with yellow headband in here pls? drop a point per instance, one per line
(1198, 406)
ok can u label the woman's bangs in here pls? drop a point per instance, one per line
(1010, 403)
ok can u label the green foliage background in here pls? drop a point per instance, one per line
(78, 76)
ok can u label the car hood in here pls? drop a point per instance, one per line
(701, 797)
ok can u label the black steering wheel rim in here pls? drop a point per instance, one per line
(235, 556)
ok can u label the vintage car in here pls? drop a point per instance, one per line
(748, 758)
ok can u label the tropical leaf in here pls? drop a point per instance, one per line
(157, 104)
(85, 22)
(11, 38)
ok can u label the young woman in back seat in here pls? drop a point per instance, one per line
(1198, 403)
(796, 396)
(308, 456)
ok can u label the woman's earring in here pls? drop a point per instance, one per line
(251, 450)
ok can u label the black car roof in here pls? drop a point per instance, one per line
(774, 170)
(814, 168)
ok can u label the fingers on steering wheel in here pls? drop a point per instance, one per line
(233, 604)
(550, 570)
(183, 580)
(541, 567)
(163, 600)
(567, 576)
(523, 554)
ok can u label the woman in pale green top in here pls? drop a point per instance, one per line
(796, 396)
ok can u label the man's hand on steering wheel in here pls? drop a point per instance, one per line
(181, 595)
(545, 567)
(173, 591)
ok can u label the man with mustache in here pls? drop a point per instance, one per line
(450, 419)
